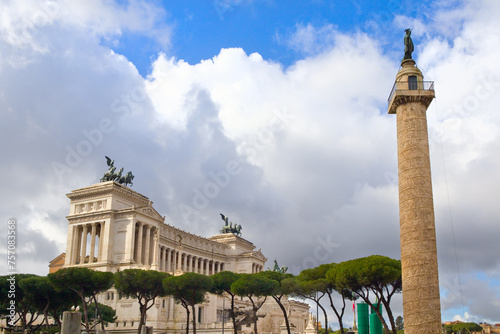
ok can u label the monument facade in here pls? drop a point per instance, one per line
(112, 228)
(409, 100)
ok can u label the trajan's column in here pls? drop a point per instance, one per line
(409, 100)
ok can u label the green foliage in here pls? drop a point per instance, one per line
(252, 285)
(463, 328)
(145, 285)
(372, 272)
(222, 282)
(11, 291)
(108, 313)
(314, 282)
(345, 330)
(399, 323)
(284, 287)
(188, 289)
(85, 282)
(377, 274)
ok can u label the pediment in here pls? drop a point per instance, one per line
(150, 212)
(258, 254)
(255, 254)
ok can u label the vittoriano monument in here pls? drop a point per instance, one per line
(110, 175)
(409, 100)
(229, 228)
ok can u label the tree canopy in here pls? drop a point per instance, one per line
(11, 291)
(463, 328)
(85, 282)
(284, 287)
(145, 285)
(375, 274)
(254, 286)
(222, 282)
(45, 298)
(188, 289)
(315, 280)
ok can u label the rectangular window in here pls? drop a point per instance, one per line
(200, 314)
(412, 82)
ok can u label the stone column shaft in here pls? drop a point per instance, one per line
(169, 264)
(138, 260)
(75, 244)
(92, 242)
(417, 225)
(84, 244)
(148, 244)
(409, 100)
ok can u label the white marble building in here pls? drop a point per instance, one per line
(112, 228)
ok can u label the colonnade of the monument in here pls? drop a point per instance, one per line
(80, 253)
(257, 268)
(145, 250)
(172, 260)
(144, 243)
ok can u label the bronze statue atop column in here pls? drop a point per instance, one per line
(408, 44)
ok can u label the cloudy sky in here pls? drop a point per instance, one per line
(271, 112)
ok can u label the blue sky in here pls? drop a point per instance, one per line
(295, 92)
(201, 28)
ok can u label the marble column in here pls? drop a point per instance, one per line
(148, 244)
(140, 228)
(83, 254)
(92, 242)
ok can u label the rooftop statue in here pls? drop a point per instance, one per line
(277, 268)
(110, 174)
(408, 44)
(229, 228)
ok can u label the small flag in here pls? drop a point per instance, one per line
(353, 306)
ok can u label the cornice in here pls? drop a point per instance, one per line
(401, 98)
(108, 188)
(93, 216)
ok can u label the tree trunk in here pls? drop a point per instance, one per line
(287, 323)
(233, 316)
(339, 315)
(384, 323)
(85, 315)
(390, 315)
(187, 317)
(254, 309)
(46, 316)
(194, 319)
(99, 312)
(324, 313)
(142, 321)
